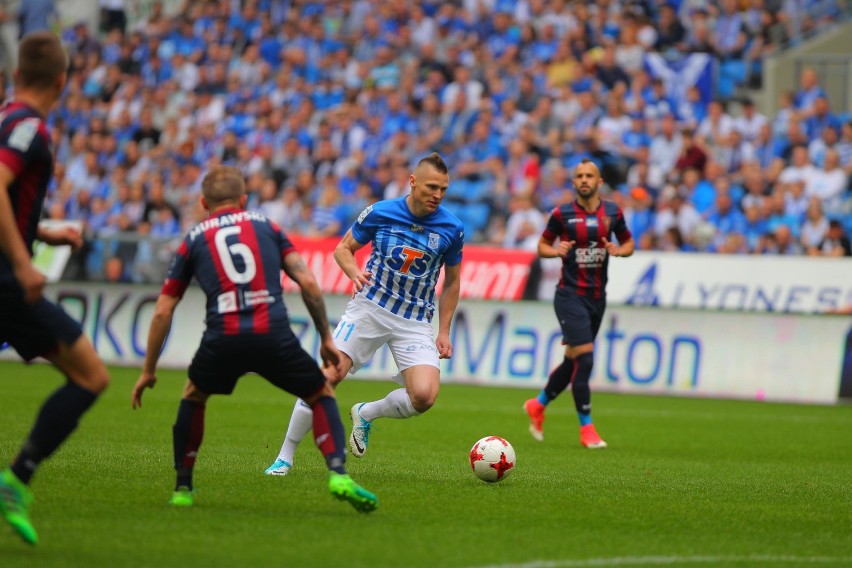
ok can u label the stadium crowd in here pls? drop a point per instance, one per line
(326, 105)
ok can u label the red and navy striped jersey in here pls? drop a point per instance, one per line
(25, 148)
(584, 270)
(237, 257)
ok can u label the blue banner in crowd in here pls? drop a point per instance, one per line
(682, 73)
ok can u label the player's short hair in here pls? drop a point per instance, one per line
(41, 60)
(223, 183)
(590, 161)
(436, 161)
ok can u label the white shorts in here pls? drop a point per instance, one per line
(365, 327)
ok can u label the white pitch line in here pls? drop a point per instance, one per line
(658, 560)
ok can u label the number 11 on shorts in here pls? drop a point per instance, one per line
(341, 326)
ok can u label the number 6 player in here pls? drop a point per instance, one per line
(237, 257)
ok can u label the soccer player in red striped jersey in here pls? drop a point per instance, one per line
(237, 257)
(32, 325)
(584, 228)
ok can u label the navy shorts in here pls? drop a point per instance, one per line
(278, 357)
(579, 317)
(34, 330)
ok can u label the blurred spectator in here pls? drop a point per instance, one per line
(692, 110)
(808, 93)
(836, 242)
(829, 184)
(638, 213)
(777, 214)
(327, 216)
(815, 227)
(607, 70)
(733, 243)
(463, 88)
(819, 146)
(692, 154)
(716, 126)
(768, 35)
(750, 122)
(800, 168)
(676, 212)
(646, 175)
(525, 224)
(114, 270)
(670, 32)
(113, 16)
(730, 32)
(672, 241)
(36, 15)
(667, 145)
(522, 170)
(844, 148)
(821, 118)
(795, 202)
(784, 242)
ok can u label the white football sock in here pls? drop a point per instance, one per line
(396, 404)
(300, 424)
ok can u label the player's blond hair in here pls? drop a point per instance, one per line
(41, 60)
(223, 184)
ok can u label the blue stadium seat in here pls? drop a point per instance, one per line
(732, 73)
(479, 190)
(458, 190)
(477, 215)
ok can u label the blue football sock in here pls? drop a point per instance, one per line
(544, 398)
(585, 419)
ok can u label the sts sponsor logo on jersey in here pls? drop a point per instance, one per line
(409, 261)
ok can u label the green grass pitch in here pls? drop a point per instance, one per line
(684, 482)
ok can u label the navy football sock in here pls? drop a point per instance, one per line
(329, 434)
(558, 381)
(57, 418)
(187, 433)
(580, 385)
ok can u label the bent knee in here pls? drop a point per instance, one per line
(423, 401)
(95, 381)
(100, 382)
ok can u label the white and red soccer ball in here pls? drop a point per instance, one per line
(492, 459)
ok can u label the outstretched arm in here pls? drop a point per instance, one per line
(448, 302)
(161, 323)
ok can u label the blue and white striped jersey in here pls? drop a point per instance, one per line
(407, 255)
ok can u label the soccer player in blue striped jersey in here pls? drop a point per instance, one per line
(584, 228)
(412, 238)
(237, 257)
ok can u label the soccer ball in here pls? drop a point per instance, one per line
(492, 459)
